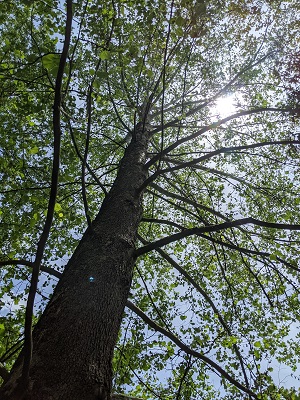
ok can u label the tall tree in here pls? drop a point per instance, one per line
(152, 148)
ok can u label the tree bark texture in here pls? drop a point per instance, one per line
(73, 342)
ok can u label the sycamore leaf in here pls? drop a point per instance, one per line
(57, 207)
(34, 150)
(104, 55)
(51, 62)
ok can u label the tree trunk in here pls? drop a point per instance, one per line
(73, 342)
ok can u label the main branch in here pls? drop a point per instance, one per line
(187, 349)
(212, 228)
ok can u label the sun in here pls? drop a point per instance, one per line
(225, 106)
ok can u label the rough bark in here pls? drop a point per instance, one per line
(73, 342)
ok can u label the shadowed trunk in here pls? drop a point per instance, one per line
(73, 342)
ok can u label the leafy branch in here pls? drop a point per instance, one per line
(187, 349)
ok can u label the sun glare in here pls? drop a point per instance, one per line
(225, 106)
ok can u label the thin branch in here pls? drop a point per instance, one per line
(212, 228)
(120, 119)
(187, 349)
(203, 103)
(218, 173)
(151, 299)
(244, 250)
(30, 264)
(187, 368)
(163, 221)
(206, 297)
(213, 126)
(187, 201)
(118, 396)
(176, 206)
(138, 378)
(212, 154)
(81, 157)
(12, 351)
(72, 57)
(164, 81)
(86, 152)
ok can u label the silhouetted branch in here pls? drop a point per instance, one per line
(116, 396)
(211, 154)
(163, 221)
(200, 104)
(213, 228)
(30, 264)
(206, 297)
(187, 201)
(81, 157)
(52, 197)
(187, 349)
(214, 125)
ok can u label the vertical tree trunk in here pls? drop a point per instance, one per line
(75, 338)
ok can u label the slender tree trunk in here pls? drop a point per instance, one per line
(75, 338)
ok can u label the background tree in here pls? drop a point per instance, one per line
(117, 155)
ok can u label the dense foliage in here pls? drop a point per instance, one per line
(204, 295)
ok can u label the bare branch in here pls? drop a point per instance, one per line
(206, 297)
(212, 154)
(30, 264)
(212, 228)
(213, 126)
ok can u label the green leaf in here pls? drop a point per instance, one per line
(102, 74)
(34, 150)
(156, 69)
(57, 207)
(51, 62)
(104, 55)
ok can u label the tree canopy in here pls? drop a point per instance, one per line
(214, 303)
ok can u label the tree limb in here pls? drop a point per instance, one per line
(30, 264)
(213, 126)
(187, 349)
(212, 154)
(212, 228)
(4, 374)
(207, 298)
(187, 201)
(52, 199)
